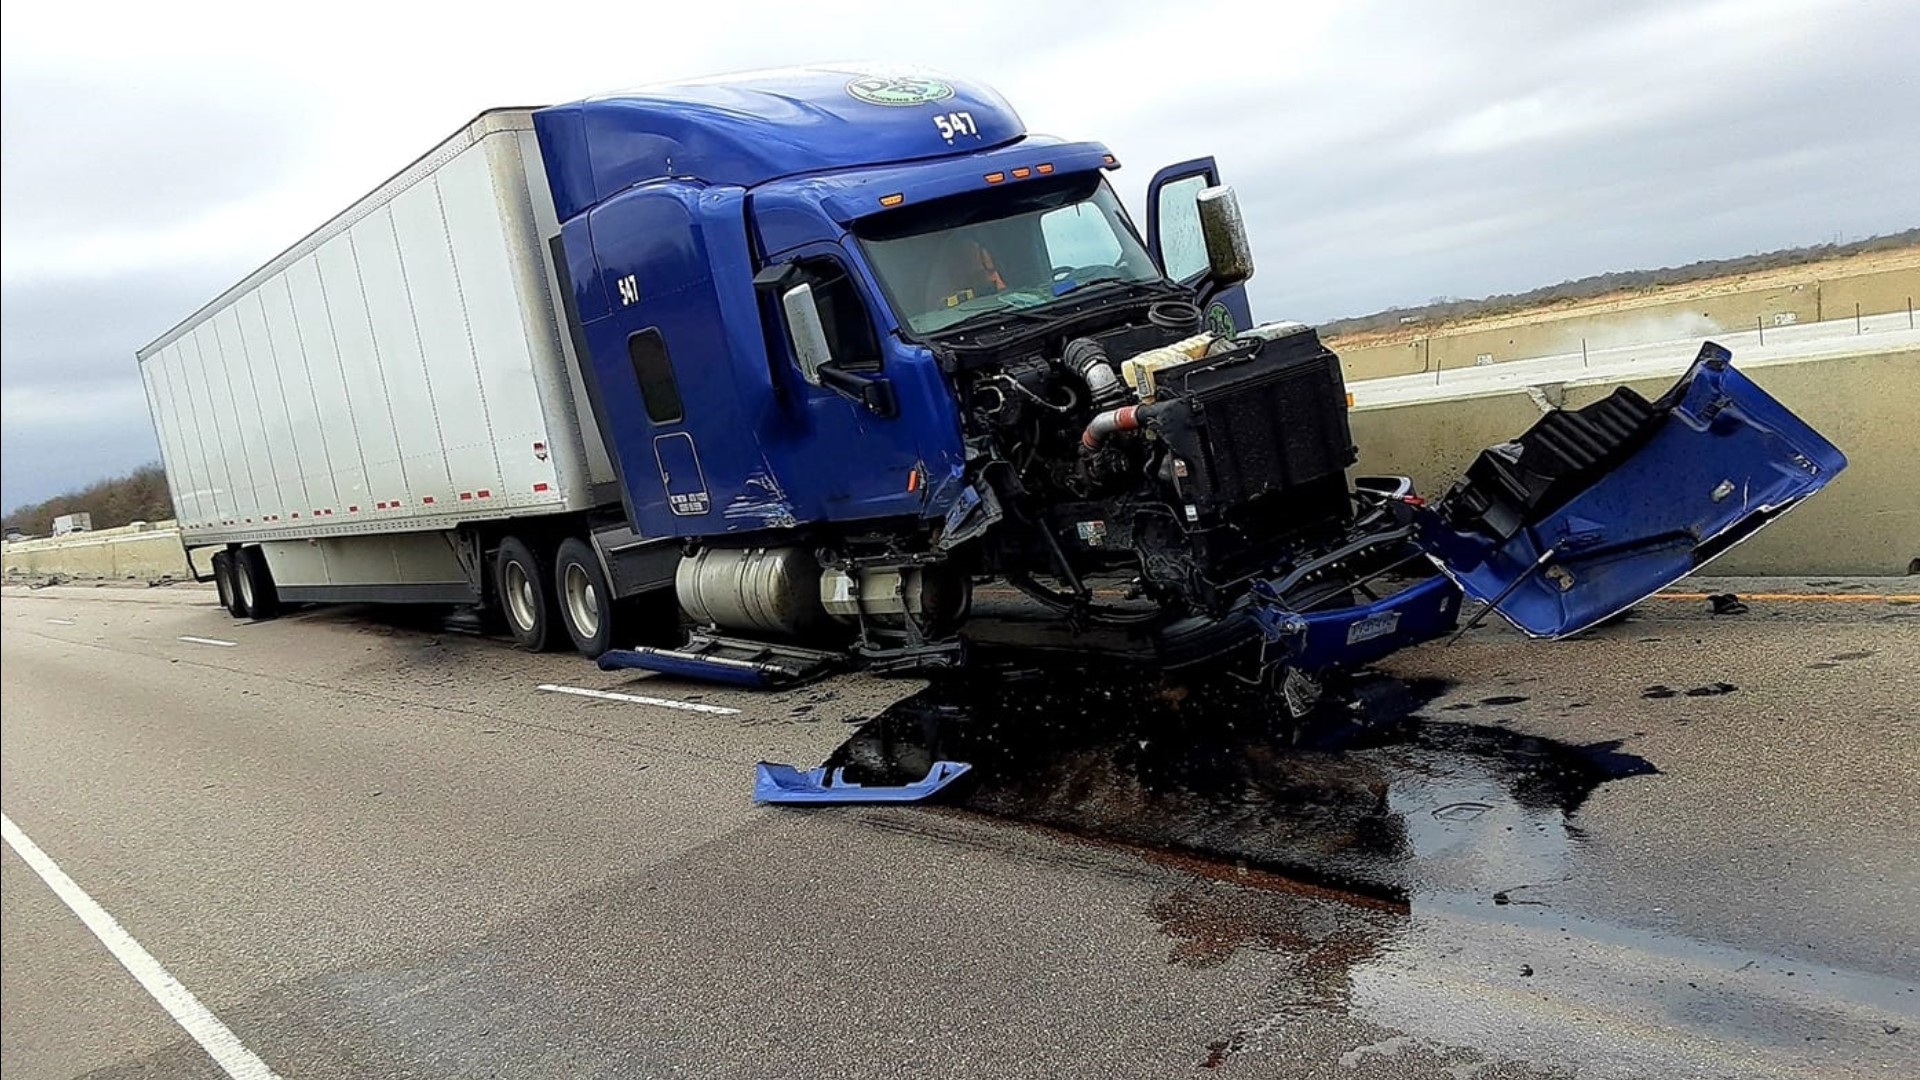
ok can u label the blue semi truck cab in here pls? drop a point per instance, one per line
(857, 341)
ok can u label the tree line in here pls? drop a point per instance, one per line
(140, 495)
(1447, 308)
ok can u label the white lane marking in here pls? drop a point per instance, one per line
(637, 699)
(218, 1040)
(208, 641)
(61, 622)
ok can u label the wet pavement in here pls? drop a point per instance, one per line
(1687, 846)
(1364, 795)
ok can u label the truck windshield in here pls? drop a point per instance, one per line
(1002, 249)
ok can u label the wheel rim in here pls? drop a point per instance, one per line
(246, 585)
(583, 607)
(519, 589)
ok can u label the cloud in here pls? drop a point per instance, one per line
(1384, 153)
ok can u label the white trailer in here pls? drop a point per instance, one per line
(390, 407)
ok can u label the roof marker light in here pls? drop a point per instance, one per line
(894, 199)
(1045, 169)
(1111, 160)
(1022, 174)
(995, 177)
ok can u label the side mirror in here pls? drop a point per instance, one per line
(809, 336)
(1229, 254)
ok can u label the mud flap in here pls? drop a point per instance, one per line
(1595, 509)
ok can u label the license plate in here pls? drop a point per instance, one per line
(1373, 626)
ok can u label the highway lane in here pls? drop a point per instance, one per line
(376, 849)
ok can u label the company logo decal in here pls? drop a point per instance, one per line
(1219, 319)
(899, 89)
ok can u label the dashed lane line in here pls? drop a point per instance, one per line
(639, 699)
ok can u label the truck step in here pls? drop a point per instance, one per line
(729, 661)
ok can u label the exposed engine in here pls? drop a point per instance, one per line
(1187, 461)
(1149, 459)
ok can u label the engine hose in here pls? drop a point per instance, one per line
(1111, 422)
(1087, 359)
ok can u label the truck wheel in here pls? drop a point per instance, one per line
(526, 598)
(223, 584)
(254, 581)
(587, 607)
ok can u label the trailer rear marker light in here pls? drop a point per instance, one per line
(466, 495)
(199, 1022)
(428, 500)
(893, 200)
(356, 509)
(485, 493)
(540, 487)
(639, 699)
(208, 641)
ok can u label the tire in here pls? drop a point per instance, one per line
(253, 579)
(224, 584)
(585, 598)
(524, 591)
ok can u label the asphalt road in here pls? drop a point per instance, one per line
(1688, 845)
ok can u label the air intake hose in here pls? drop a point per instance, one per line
(1087, 359)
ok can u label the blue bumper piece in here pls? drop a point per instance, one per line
(1722, 460)
(786, 784)
(1345, 637)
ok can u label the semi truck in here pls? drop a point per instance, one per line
(797, 359)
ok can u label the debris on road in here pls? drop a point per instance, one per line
(1727, 604)
(786, 784)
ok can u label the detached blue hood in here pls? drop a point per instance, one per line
(743, 130)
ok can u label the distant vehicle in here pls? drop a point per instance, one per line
(14, 535)
(814, 351)
(68, 524)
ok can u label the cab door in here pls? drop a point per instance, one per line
(1174, 239)
(857, 457)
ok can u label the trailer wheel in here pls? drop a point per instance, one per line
(223, 584)
(587, 606)
(254, 581)
(526, 598)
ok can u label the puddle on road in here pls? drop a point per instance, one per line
(1368, 798)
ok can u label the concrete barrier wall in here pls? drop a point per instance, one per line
(138, 552)
(1545, 333)
(1866, 522)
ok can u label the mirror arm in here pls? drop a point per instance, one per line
(874, 393)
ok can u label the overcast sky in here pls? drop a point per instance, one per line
(1384, 153)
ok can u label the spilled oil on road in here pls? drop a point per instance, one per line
(1365, 796)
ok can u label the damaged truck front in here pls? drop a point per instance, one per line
(976, 369)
